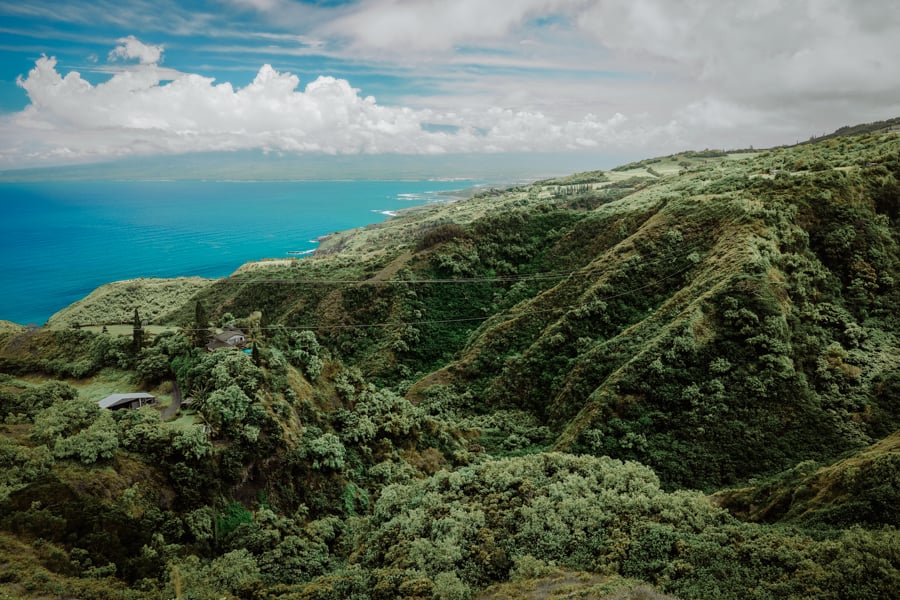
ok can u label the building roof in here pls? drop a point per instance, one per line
(114, 400)
(227, 339)
(227, 335)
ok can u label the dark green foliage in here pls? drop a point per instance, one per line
(607, 516)
(853, 130)
(304, 351)
(440, 234)
(861, 489)
(64, 353)
(137, 335)
(52, 510)
(200, 332)
(390, 435)
(20, 465)
(31, 400)
(233, 516)
(704, 154)
(152, 365)
(576, 179)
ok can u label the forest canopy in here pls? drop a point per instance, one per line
(678, 378)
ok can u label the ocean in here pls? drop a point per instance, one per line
(61, 240)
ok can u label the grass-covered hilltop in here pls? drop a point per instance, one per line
(678, 378)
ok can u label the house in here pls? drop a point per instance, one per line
(132, 400)
(230, 338)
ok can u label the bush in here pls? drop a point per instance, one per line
(153, 365)
(98, 441)
(440, 234)
(327, 452)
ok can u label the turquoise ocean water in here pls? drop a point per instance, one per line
(60, 240)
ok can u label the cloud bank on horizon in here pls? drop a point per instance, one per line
(461, 76)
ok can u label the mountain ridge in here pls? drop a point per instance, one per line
(681, 374)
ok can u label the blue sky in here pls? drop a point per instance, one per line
(95, 81)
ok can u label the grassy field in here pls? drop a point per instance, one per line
(109, 381)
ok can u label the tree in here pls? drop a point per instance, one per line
(327, 451)
(264, 324)
(153, 365)
(19, 465)
(306, 354)
(77, 428)
(64, 419)
(98, 441)
(137, 335)
(191, 442)
(226, 409)
(34, 399)
(201, 324)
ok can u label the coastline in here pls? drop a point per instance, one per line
(79, 236)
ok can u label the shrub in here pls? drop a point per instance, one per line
(327, 451)
(440, 234)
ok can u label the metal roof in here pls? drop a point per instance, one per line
(117, 399)
(227, 335)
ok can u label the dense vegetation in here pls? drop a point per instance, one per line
(679, 378)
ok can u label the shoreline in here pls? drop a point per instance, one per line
(56, 274)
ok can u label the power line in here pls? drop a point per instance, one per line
(505, 315)
(585, 271)
(541, 276)
(357, 282)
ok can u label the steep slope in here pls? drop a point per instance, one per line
(714, 316)
(115, 302)
(717, 323)
(860, 489)
(503, 395)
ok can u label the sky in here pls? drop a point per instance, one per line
(93, 81)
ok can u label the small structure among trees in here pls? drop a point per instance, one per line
(130, 400)
(230, 338)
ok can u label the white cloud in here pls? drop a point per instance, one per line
(513, 75)
(261, 5)
(765, 49)
(761, 53)
(131, 48)
(801, 64)
(401, 25)
(144, 109)
(169, 16)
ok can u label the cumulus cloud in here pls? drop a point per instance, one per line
(130, 48)
(475, 76)
(144, 109)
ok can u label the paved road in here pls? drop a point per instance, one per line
(170, 410)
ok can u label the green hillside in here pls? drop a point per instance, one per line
(115, 302)
(678, 378)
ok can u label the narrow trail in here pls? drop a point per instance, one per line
(391, 268)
